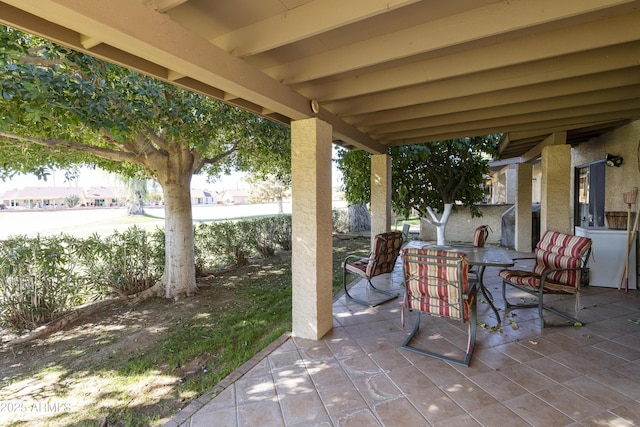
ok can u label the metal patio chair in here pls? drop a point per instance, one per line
(560, 263)
(381, 260)
(436, 283)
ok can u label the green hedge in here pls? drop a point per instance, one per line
(43, 278)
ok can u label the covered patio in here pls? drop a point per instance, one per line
(522, 375)
(365, 74)
(369, 75)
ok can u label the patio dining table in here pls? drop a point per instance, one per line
(482, 257)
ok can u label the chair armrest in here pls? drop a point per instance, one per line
(353, 257)
(471, 290)
(515, 260)
(552, 270)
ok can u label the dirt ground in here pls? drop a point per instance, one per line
(66, 376)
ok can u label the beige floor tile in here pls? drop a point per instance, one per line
(389, 359)
(409, 379)
(223, 418)
(569, 403)
(527, 377)
(376, 388)
(301, 408)
(620, 382)
(359, 364)
(258, 414)
(596, 392)
(358, 376)
(255, 389)
(293, 381)
(327, 373)
(498, 386)
(553, 370)
(399, 412)
(435, 405)
(608, 419)
(468, 395)
(628, 411)
(498, 415)
(342, 397)
(361, 418)
(537, 412)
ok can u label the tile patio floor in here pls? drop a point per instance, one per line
(522, 375)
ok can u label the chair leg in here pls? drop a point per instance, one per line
(572, 321)
(471, 340)
(363, 302)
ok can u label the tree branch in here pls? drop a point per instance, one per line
(102, 152)
(217, 158)
(160, 142)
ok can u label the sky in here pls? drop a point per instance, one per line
(99, 178)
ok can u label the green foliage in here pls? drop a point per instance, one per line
(124, 263)
(72, 200)
(44, 277)
(340, 220)
(425, 175)
(41, 279)
(61, 108)
(231, 243)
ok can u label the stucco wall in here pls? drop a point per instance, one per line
(623, 142)
(460, 226)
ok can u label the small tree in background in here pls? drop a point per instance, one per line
(72, 200)
(427, 178)
(268, 189)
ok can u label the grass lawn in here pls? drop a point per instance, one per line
(138, 364)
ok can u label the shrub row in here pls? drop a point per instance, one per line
(43, 278)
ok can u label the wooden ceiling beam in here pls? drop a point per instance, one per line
(604, 98)
(490, 127)
(505, 97)
(154, 37)
(302, 22)
(523, 50)
(527, 74)
(499, 18)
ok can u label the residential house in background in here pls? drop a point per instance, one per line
(203, 197)
(42, 197)
(105, 196)
(235, 197)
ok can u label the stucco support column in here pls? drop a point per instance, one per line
(524, 174)
(311, 262)
(555, 212)
(380, 194)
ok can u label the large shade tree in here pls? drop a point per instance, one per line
(61, 108)
(429, 178)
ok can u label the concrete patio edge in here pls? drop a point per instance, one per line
(186, 412)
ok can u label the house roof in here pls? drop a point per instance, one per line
(44, 193)
(199, 193)
(102, 193)
(381, 73)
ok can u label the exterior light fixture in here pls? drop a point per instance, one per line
(613, 160)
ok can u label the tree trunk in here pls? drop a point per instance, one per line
(280, 204)
(174, 173)
(137, 207)
(179, 278)
(359, 218)
(440, 224)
